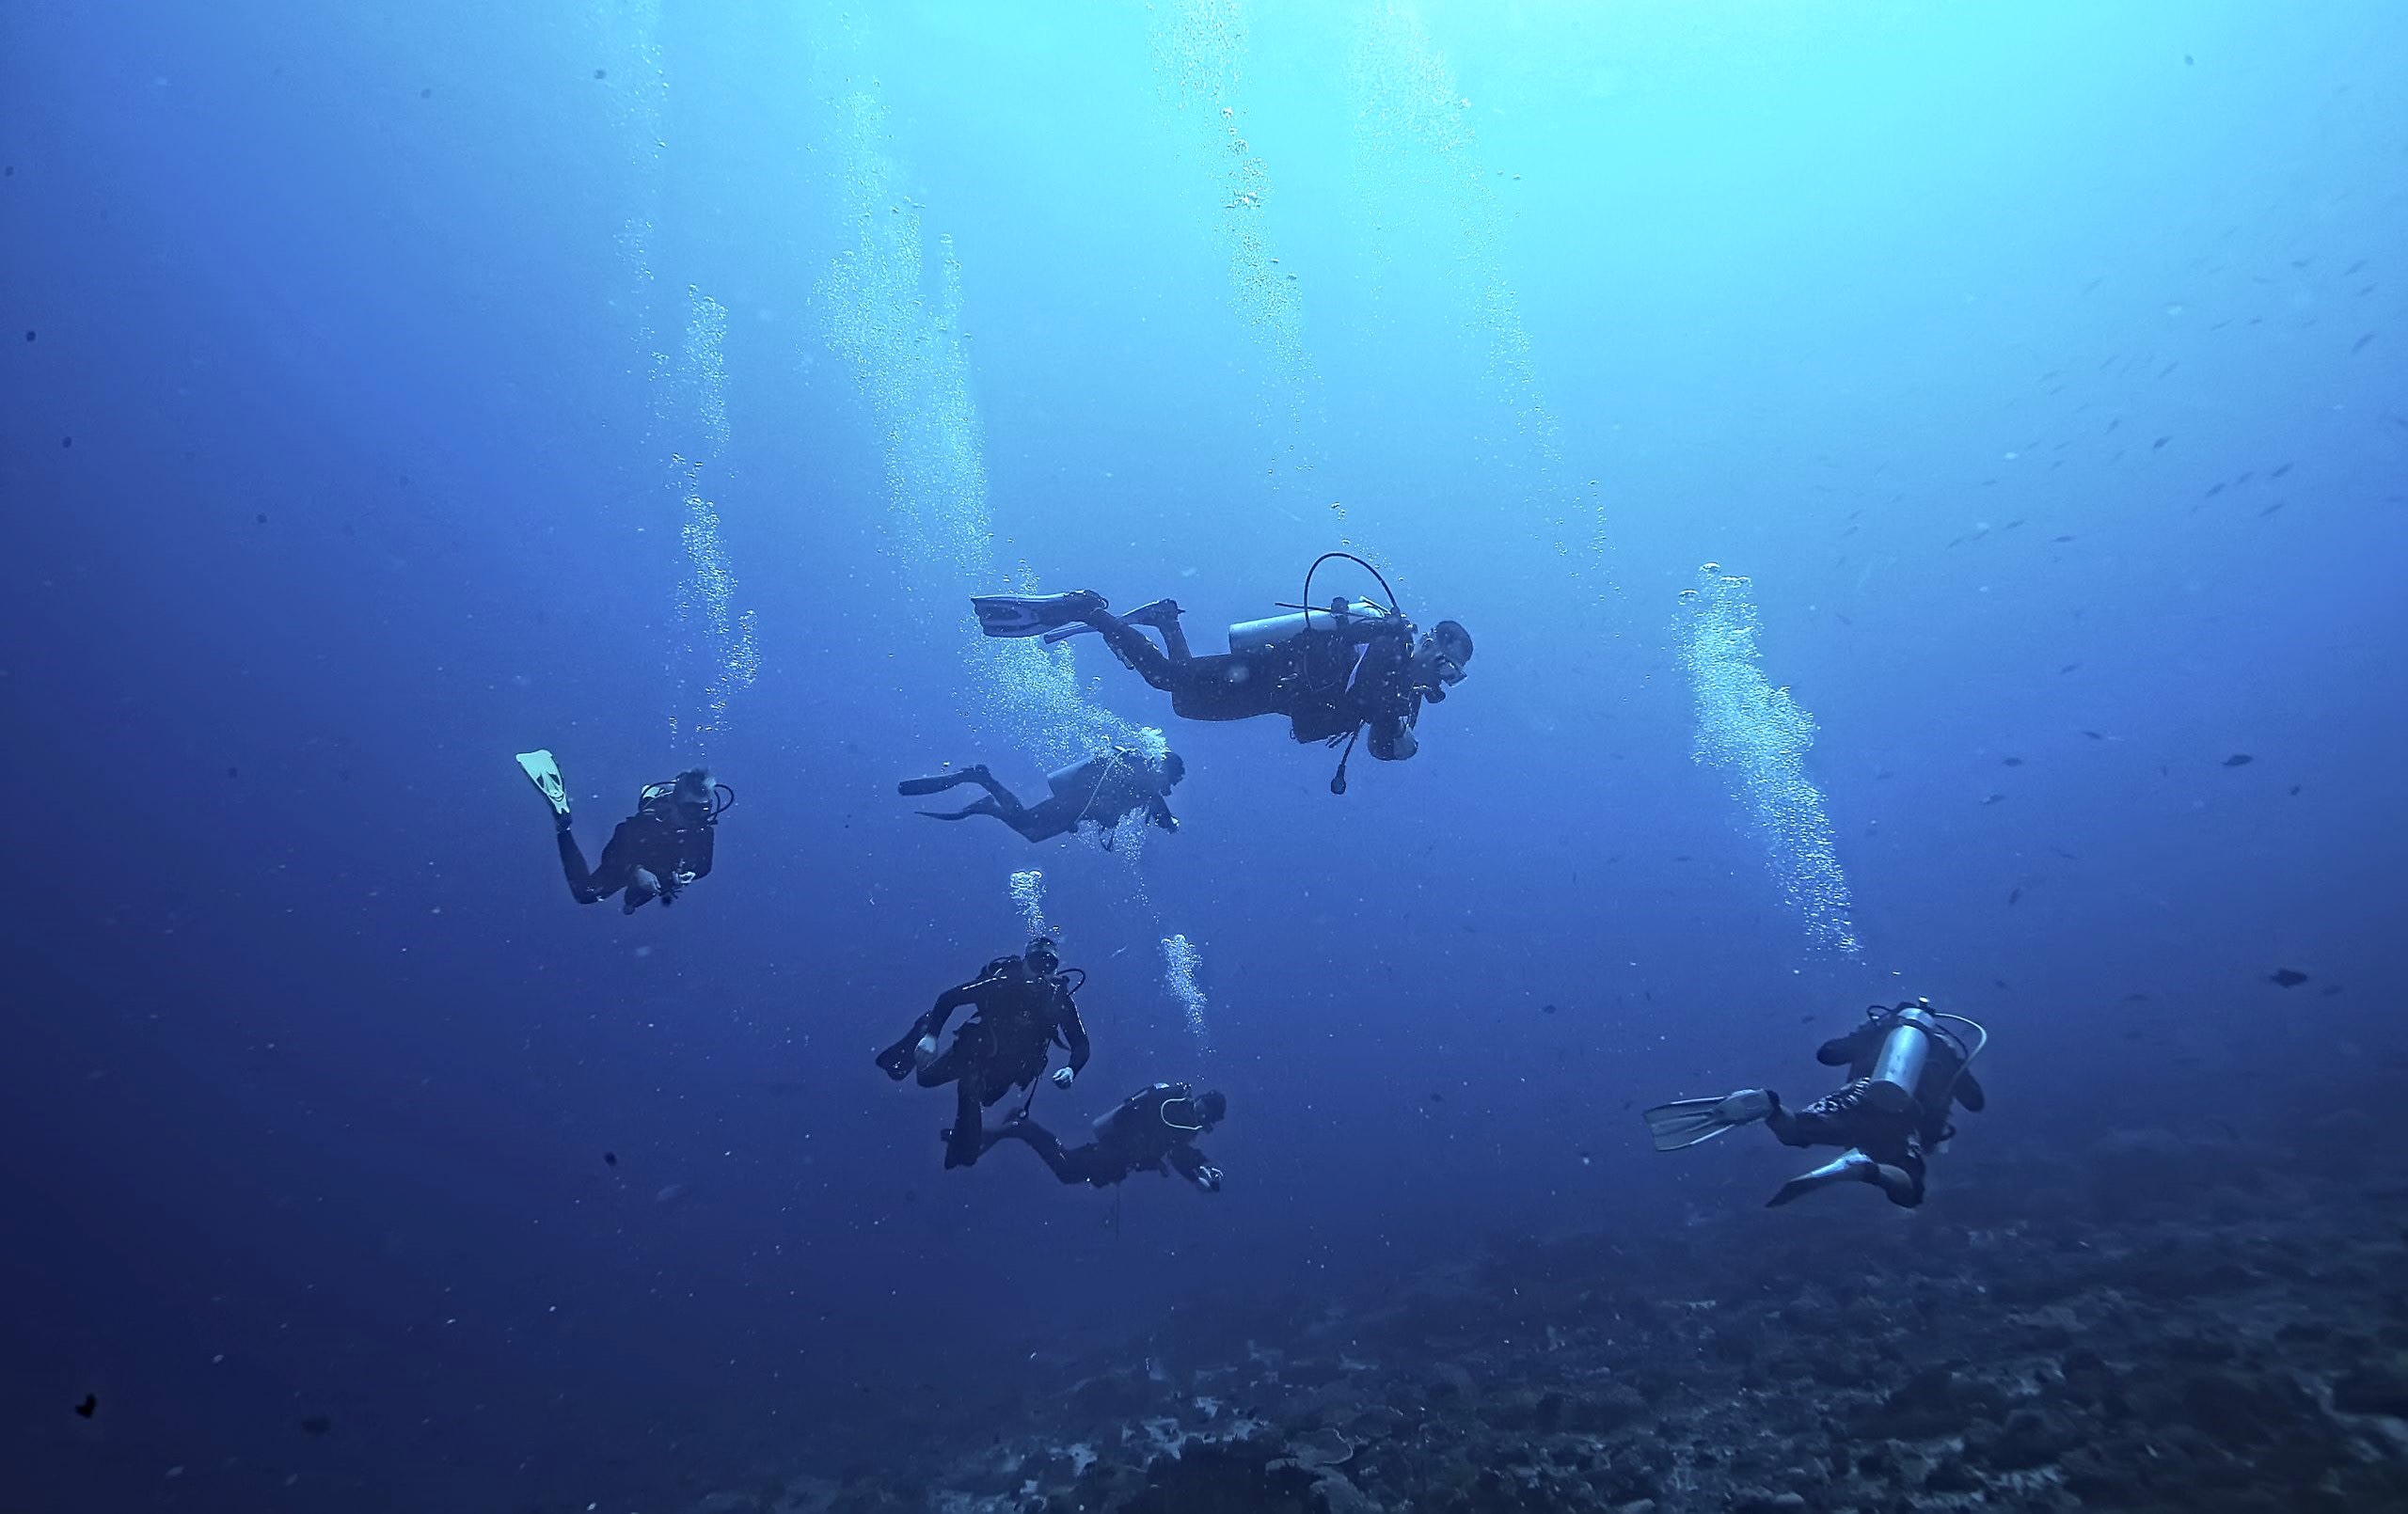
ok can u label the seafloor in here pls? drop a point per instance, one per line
(2144, 1321)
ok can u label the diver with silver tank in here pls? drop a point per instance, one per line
(1335, 672)
(1102, 791)
(1908, 1065)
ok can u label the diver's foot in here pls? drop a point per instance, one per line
(1162, 614)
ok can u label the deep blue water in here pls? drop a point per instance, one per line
(2041, 367)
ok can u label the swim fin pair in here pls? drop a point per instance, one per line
(1023, 615)
(913, 788)
(544, 774)
(1686, 1121)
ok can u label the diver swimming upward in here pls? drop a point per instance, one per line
(1334, 672)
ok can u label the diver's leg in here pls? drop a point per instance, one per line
(1047, 1145)
(1129, 645)
(965, 1140)
(584, 885)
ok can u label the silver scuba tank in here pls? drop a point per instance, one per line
(1079, 780)
(1897, 1072)
(1253, 636)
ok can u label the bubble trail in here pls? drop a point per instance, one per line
(1418, 155)
(1179, 961)
(1758, 737)
(1200, 50)
(1028, 892)
(907, 352)
(715, 633)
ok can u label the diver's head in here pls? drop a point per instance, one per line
(1439, 661)
(1173, 768)
(691, 790)
(1042, 957)
(1211, 1106)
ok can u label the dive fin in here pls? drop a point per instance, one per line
(546, 775)
(912, 788)
(1851, 1166)
(1023, 615)
(1686, 1121)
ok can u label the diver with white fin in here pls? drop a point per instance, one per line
(1908, 1067)
(1336, 673)
(655, 853)
(1100, 790)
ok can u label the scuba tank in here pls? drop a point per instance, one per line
(1897, 1072)
(1342, 615)
(1083, 778)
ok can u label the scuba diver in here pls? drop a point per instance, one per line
(1333, 672)
(654, 853)
(1153, 1131)
(1023, 1008)
(1102, 790)
(1907, 1066)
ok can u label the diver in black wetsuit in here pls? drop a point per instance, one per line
(1906, 1070)
(1153, 1131)
(1336, 673)
(655, 853)
(1023, 1008)
(1100, 790)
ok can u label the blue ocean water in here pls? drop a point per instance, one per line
(654, 382)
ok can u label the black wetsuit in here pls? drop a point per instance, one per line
(1153, 1131)
(673, 846)
(1848, 1118)
(1018, 1018)
(1104, 790)
(1330, 684)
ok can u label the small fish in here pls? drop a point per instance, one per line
(2328, 990)
(2068, 668)
(2214, 489)
(2280, 471)
(2186, 60)
(609, 1159)
(1995, 798)
(670, 1194)
(1547, 1009)
(2354, 268)
(2060, 540)
(2011, 761)
(2294, 790)
(316, 1425)
(2238, 759)
(2013, 896)
(1438, 1097)
(2286, 978)
(91, 1406)
(2357, 346)
(1997, 982)
(2094, 735)
(2271, 509)
(2160, 443)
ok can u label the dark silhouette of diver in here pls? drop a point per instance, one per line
(1907, 1068)
(1336, 673)
(1024, 1007)
(655, 853)
(1102, 790)
(1153, 1131)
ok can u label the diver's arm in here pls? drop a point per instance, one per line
(697, 854)
(1195, 1166)
(1158, 812)
(952, 999)
(1074, 1033)
(1842, 1049)
(1969, 1093)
